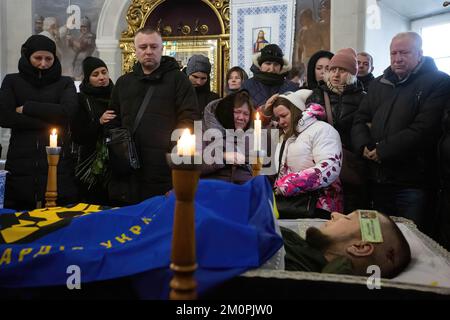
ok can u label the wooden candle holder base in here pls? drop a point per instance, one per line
(52, 189)
(256, 158)
(256, 167)
(185, 180)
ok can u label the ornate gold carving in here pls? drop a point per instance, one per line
(166, 31)
(138, 13)
(203, 29)
(186, 30)
(128, 56)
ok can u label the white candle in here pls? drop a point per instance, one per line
(257, 134)
(186, 144)
(53, 139)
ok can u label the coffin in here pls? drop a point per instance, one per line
(427, 276)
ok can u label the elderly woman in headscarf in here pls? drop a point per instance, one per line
(229, 118)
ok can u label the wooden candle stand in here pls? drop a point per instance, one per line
(52, 189)
(257, 162)
(185, 180)
(256, 167)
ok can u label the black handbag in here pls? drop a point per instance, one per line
(123, 157)
(297, 207)
(122, 152)
(300, 206)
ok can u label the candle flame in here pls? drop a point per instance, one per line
(186, 133)
(186, 143)
(257, 115)
(53, 131)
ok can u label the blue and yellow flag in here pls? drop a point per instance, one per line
(234, 232)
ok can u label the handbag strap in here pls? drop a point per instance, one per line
(328, 107)
(142, 108)
(280, 156)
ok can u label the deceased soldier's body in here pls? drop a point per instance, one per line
(349, 244)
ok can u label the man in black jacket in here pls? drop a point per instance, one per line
(365, 68)
(173, 105)
(397, 128)
(199, 72)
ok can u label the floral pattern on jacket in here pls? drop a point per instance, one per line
(321, 172)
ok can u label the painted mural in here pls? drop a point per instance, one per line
(312, 27)
(72, 25)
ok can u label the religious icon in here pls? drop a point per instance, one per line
(260, 42)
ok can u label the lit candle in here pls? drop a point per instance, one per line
(53, 139)
(257, 134)
(186, 144)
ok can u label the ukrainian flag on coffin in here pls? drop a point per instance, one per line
(234, 232)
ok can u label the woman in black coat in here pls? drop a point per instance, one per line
(87, 131)
(32, 102)
(345, 94)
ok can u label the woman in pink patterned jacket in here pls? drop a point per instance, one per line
(311, 152)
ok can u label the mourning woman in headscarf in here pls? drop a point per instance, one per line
(95, 95)
(33, 102)
(232, 114)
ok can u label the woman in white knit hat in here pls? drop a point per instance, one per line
(308, 156)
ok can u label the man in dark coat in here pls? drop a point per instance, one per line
(32, 102)
(397, 128)
(198, 70)
(365, 68)
(269, 69)
(173, 105)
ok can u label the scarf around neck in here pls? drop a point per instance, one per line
(39, 78)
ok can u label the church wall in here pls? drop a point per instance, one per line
(111, 23)
(347, 24)
(18, 23)
(381, 28)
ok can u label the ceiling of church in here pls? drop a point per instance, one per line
(414, 9)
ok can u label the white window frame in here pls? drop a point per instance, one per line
(419, 24)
